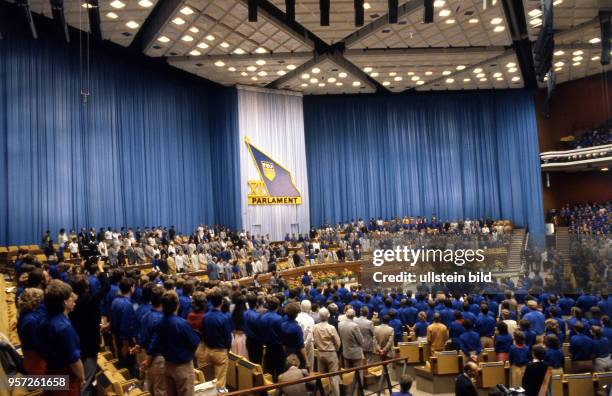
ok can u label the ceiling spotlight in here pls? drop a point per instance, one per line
(290, 67)
(260, 62)
(483, 79)
(324, 12)
(439, 3)
(499, 29)
(112, 15)
(480, 75)
(386, 83)
(516, 78)
(558, 69)
(210, 37)
(446, 72)
(251, 68)
(194, 30)
(118, 4)
(304, 85)
(421, 82)
(178, 21)
(410, 73)
(576, 64)
(313, 80)
(496, 21)
(595, 58)
(321, 84)
(252, 10)
(594, 40)
(477, 70)
(498, 74)
(219, 64)
(397, 78)
(473, 20)
(342, 75)
(577, 58)
(467, 79)
(510, 64)
(254, 78)
(512, 70)
(244, 74)
(186, 11)
(195, 53)
(367, 69)
(374, 74)
(557, 2)
(460, 67)
(231, 68)
(202, 45)
(356, 83)
(366, 6)
(132, 24)
(224, 45)
(305, 76)
(262, 73)
(316, 70)
(450, 21)
(450, 80)
(86, 5)
(578, 52)
(559, 53)
(535, 22)
(163, 39)
(339, 84)
(331, 80)
(415, 78)
(535, 13)
(187, 38)
(445, 13)
(281, 72)
(261, 50)
(428, 73)
(239, 51)
(145, 3)
(392, 74)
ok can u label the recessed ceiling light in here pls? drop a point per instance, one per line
(594, 40)
(576, 64)
(480, 75)
(473, 20)
(356, 83)
(261, 50)
(281, 72)
(239, 51)
(186, 11)
(577, 58)
(392, 74)
(224, 45)
(374, 74)
(510, 64)
(260, 62)
(254, 78)
(535, 22)
(304, 85)
(244, 74)
(559, 53)
(367, 69)
(339, 84)
(231, 68)
(410, 73)
(557, 2)
(202, 45)
(386, 83)
(178, 21)
(305, 76)
(331, 80)
(187, 38)
(499, 78)
(535, 13)
(251, 68)
(321, 84)
(512, 70)
(439, 3)
(313, 80)
(460, 67)
(262, 73)
(450, 80)
(595, 58)
(86, 5)
(483, 79)
(498, 74)
(195, 52)
(558, 68)
(132, 24)
(315, 70)
(290, 67)
(467, 79)
(559, 64)
(420, 82)
(450, 21)
(117, 4)
(145, 3)
(516, 78)
(428, 73)
(446, 72)
(210, 37)
(342, 75)
(194, 30)
(219, 64)
(496, 21)
(397, 78)
(112, 15)
(604, 169)
(576, 53)
(477, 70)
(415, 78)
(445, 13)
(499, 29)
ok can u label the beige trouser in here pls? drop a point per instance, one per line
(180, 379)
(516, 376)
(199, 354)
(218, 358)
(487, 342)
(155, 378)
(328, 362)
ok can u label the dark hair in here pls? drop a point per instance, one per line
(502, 328)
(551, 341)
(467, 324)
(125, 285)
(578, 327)
(80, 284)
(146, 292)
(539, 352)
(292, 310)
(188, 288)
(56, 293)
(405, 383)
(239, 309)
(272, 303)
(519, 337)
(169, 302)
(215, 298)
(386, 319)
(156, 295)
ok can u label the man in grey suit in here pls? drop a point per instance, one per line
(367, 332)
(213, 270)
(383, 340)
(352, 340)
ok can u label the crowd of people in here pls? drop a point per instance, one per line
(591, 137)
(584, 220)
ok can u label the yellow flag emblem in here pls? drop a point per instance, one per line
(268, 170)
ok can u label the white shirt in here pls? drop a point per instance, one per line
(306, 322)
(180, 262)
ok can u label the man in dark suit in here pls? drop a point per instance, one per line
(463, 384)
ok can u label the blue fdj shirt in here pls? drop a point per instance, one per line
(519, 355)
(581, 347)
(174, 339)
(408, 315)
(554, 358)
(537, 319)
(123, 318)
(485, 325)
(59, 342)
(28, 327)
(142, 310)
(420, 329)
(217, 330)
(503, 342)
(455, 330)
(397, 328)
(108, 300)
(470, 341)
(250, 324)
(94, 284)
(184, 306)
(292, 335)
(601, 348)
(269, 325)
(147, 327)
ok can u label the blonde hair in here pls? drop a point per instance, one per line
(30, 299)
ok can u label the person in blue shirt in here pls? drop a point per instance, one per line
(528, 334)
(123, 325)
(155, 381)
(185, 299)
(581, 350)
(420, 327)
(292, 336)
(408, 313)
(503, 342)
(94, 283)
(485, 326)
(31, 315)
(552, 327)
(606, 328)
(59, 342)
(455, 330)
(145, 305)
(518, 356)
(306, 279)
(469, 341)
(535, 317)
(356, 304)
(601, 351)
(566, 303)
(396, 324)
(270, 326)
(217, 335)
(405, 384)
(447, 314)
(176, 342)
(554, 356)
(253, 338)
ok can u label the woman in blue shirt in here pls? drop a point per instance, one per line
(31, 315)
(554, 356)
(503, 342)
(519, 356)
(420, 327)
(601, 350)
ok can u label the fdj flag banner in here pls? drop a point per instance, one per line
(276, 186)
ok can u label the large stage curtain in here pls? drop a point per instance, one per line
(466, 155)
(138, 153)
(274, 122)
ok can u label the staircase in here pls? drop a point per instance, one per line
(563, 243)
(515, 254)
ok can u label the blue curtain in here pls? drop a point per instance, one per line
(138, 153)
(467, 155)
